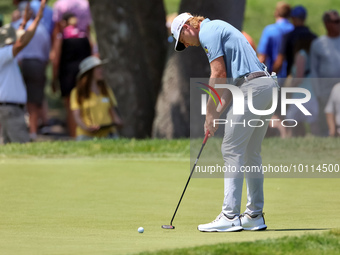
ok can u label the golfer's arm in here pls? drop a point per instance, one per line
(218, 76)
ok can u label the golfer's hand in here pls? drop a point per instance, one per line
(209, 124)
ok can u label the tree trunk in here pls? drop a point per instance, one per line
(132, 35)
(173, 105)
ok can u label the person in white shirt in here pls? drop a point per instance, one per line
(13, 94)
(332, 111)
(325, 68)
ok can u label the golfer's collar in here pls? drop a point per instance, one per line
(205, 21)
(202, 25)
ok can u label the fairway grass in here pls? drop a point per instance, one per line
(66, 203)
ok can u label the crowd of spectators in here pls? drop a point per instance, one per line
(301, 59)
(61, 36)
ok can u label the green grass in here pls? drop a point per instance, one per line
(307, 153)
(274, 149)
(99, 148)
(260, 13)
(295, 149)
(90, 198)
(171, 6)
(327, 243)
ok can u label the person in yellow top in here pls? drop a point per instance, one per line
(93, 103)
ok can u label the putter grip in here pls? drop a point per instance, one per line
(206, 137)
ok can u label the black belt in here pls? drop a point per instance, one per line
(12, 104)
(249, 77)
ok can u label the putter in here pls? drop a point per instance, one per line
(186, 185)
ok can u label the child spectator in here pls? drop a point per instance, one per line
(93, 103)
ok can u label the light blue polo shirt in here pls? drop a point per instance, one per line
(219, 38)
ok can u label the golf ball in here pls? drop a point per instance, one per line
(140, 229)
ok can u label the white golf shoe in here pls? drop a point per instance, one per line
(256, 223)
(222, 224)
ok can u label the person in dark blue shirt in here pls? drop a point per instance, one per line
(290, 40)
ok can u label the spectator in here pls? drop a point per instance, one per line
(70, 25)
(298, 16)
(47, 19)
(271, 38)
(93, 103)
(17, 13)
(12, 88)
(17, 2)
(33, 61)
(80, 8)
(325, 68)
(332, 111)
(268, 50)
(67, 53)
(301, 78)
(1, 22)
(22, 6)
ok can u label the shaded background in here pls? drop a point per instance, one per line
(150, 80)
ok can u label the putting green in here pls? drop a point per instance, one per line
(95, 205)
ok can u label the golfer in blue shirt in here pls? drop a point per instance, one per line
(232, 58)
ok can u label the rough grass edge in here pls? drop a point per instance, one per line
(152, 148)
(314, 244)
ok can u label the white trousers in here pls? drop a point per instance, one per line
(241, 147)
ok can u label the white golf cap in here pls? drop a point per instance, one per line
(176, 28)
(89, 63)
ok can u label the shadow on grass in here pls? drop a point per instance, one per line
(287, 229)
(298, 229)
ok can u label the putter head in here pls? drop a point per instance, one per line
(168, 226)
